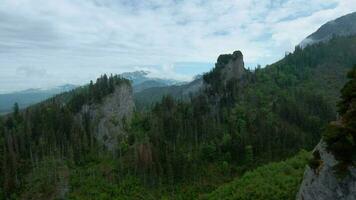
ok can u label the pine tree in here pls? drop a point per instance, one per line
(341, 135)
(348, 93)
(16, 109)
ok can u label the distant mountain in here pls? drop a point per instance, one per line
(148, 84)
(342, 26)
(234, 69)
(150, 95)
(92, 138)
(141, 80)
(30, 96)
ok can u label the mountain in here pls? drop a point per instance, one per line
(148, 96)
(232, 127)
(242, 118)
(331, 173)
(28, 97)
(141, 80)
(148, 84)
(342, 26)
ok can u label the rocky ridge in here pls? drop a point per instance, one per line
(323, 184)
(235, 68)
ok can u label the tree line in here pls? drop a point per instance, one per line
(267, 115)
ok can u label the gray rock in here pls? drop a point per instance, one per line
(107, 119)
(235, 68)
(323, 184)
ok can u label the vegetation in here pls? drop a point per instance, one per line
(273, 181)
(45, 133)
(340, 136)
(181, 149)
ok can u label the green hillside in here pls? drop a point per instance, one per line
(180, 149)
(273, 181)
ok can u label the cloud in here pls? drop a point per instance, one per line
(31, 72)
(77, 40)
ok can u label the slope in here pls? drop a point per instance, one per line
(278, 180)
(29, 97)
(240, 120)
(342, 26)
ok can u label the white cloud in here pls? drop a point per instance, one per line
(77, 40)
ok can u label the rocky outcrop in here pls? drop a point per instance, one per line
(107, 119)
(321, 183)
(227, 67)
(235, 68)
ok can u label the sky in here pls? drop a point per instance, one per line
(46, 43)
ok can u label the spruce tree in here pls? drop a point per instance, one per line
(340, 136)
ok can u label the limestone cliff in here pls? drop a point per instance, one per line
(107, 119)
(322, 183)
(235, 67)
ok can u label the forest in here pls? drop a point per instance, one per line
(185, 149)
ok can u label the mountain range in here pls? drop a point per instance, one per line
(342, 26)
(140, 81)
(143, 84)
(232, 133)
(29, 97)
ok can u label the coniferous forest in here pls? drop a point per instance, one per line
(186, 148)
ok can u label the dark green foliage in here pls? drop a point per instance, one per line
(94, 93)
(273, 181)
(31, 138)
(267, 115)
(101, 181)
(16, 109)
(340, 136)
(315, 162)
(45, 180)
(248, 155)
(348, 92)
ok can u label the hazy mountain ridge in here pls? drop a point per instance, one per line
(148, 96)
(141, 80)
(30, 96)
(342, 26)
(321, 180)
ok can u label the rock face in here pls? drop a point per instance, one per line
(342, 26)
(235, 68)
(228, 66)
(107, 119)
(323, 184)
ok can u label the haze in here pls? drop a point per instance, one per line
(47, 43)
